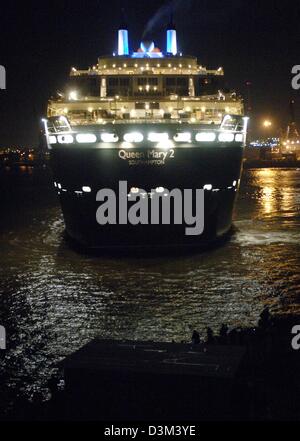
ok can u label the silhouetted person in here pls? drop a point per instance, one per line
(196, 338)
(265, 319)
(210, 335)
(233, 337)
(223, 333)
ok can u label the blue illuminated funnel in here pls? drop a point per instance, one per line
(123, 45)
(172, 38)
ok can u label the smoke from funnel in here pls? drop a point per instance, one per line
(163, 14)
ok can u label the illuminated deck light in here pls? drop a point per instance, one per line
(206, 137)
(127, 145)
(86, 189)
(133, 137)
(208, 187)
(73, 95)
(65, 139)
(239, 137)
(165, 145)
(226, 137)
(88, 138)
(109, 137)
(183, 137)
(160, 190)
(158, 137)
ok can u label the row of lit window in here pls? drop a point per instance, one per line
(137, 137)
(147, 66)
(134, 190)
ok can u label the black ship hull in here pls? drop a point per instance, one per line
(81, 171)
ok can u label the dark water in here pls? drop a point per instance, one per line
(53, 300)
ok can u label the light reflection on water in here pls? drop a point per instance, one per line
(54, 300)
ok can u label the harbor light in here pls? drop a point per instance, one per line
(267, 124)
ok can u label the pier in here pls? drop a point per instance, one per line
(149, 380)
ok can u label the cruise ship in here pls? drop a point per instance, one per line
(157, 120)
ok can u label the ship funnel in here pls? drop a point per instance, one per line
(123, 45)
(171, 38)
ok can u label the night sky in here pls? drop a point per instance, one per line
(257, 41)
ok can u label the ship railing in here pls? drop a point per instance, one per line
(141, 121)
(120, 99)
(233, 123)
(233, 129)
(62, 124)
(57, 124)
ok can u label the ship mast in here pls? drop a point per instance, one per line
(292, 130)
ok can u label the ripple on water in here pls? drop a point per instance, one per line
(54, 300)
